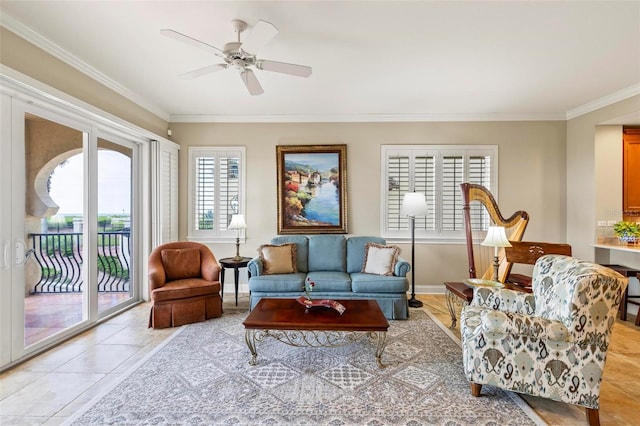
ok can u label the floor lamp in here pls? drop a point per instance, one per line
(413, 204)
(496, 237)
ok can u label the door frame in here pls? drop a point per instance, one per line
(35, 96)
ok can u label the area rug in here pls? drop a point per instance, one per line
(201, 376)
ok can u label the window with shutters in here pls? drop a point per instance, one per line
(216, 191)
(436, 171)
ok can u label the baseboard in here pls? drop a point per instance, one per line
(430, 289)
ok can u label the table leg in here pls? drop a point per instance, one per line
(381, 342)
(236, 276)
(451, 304)
(249, 338)
(222, 283)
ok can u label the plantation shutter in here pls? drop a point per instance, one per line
(424, 182)
(169, 195)
(204, 196)
(397, 185)
(229, 188)
(216, 191)
(437, 172)
(479, 173)
(452, 177)
(164, 193)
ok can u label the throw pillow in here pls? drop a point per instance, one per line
(380, 259)
(180, 264)
(278, 259)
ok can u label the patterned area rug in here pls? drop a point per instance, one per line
(201, 376)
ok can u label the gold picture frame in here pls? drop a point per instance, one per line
(312, 189)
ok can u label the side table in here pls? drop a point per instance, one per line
(230, 262)
(458, 295)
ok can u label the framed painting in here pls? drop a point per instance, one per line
(312, 189)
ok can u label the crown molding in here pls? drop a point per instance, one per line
(53, 49)
(604, 101)
(359, 118)
(35, 92)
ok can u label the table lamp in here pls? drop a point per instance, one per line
(496, 237)
(237, 223)
(413, 204)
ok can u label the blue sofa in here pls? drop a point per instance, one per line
(334, 263)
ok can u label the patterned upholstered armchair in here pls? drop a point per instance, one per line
(550, 343)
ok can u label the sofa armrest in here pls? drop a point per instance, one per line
(523, 325)
(402, 268)
(255, 267)
(505, 300)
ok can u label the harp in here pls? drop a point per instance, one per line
(481, 210)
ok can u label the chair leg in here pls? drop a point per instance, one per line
(593, 416)
(475, 389)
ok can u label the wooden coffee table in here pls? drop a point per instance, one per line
(290, 322)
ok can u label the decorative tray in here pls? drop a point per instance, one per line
(478, 282)
(324, 303)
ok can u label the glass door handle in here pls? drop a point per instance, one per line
(21, 257)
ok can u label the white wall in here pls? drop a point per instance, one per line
(583, 184)
(531, 176)
(608, 167)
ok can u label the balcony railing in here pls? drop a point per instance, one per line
(59, 256)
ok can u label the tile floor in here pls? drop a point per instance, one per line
(48, 313)
(47, 389)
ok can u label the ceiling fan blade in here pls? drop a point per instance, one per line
(284, 68)
(192, 41)
(262, 33)
(202, 71)
(253, 85)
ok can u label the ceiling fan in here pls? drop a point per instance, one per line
(241, 56)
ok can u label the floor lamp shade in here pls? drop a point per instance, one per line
(413, 204)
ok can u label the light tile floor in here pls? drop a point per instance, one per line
(47, 389)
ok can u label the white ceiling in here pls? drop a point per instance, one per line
(372, 60)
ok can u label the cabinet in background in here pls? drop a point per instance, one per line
(631, 175)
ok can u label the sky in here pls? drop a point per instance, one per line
(114, 186)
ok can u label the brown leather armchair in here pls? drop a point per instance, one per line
(184, 284)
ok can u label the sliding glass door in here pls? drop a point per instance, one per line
(67, 226)
(114, 223)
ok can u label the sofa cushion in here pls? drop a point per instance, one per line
(327, 253)
(302, 249)
(181, 263)
(330, 281)
(355, 251)
(278, 283)
(278, 259)
(380, 259)
(369, 283)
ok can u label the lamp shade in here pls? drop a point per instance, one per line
(237, 222)
(413, 204)
(496, 237)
